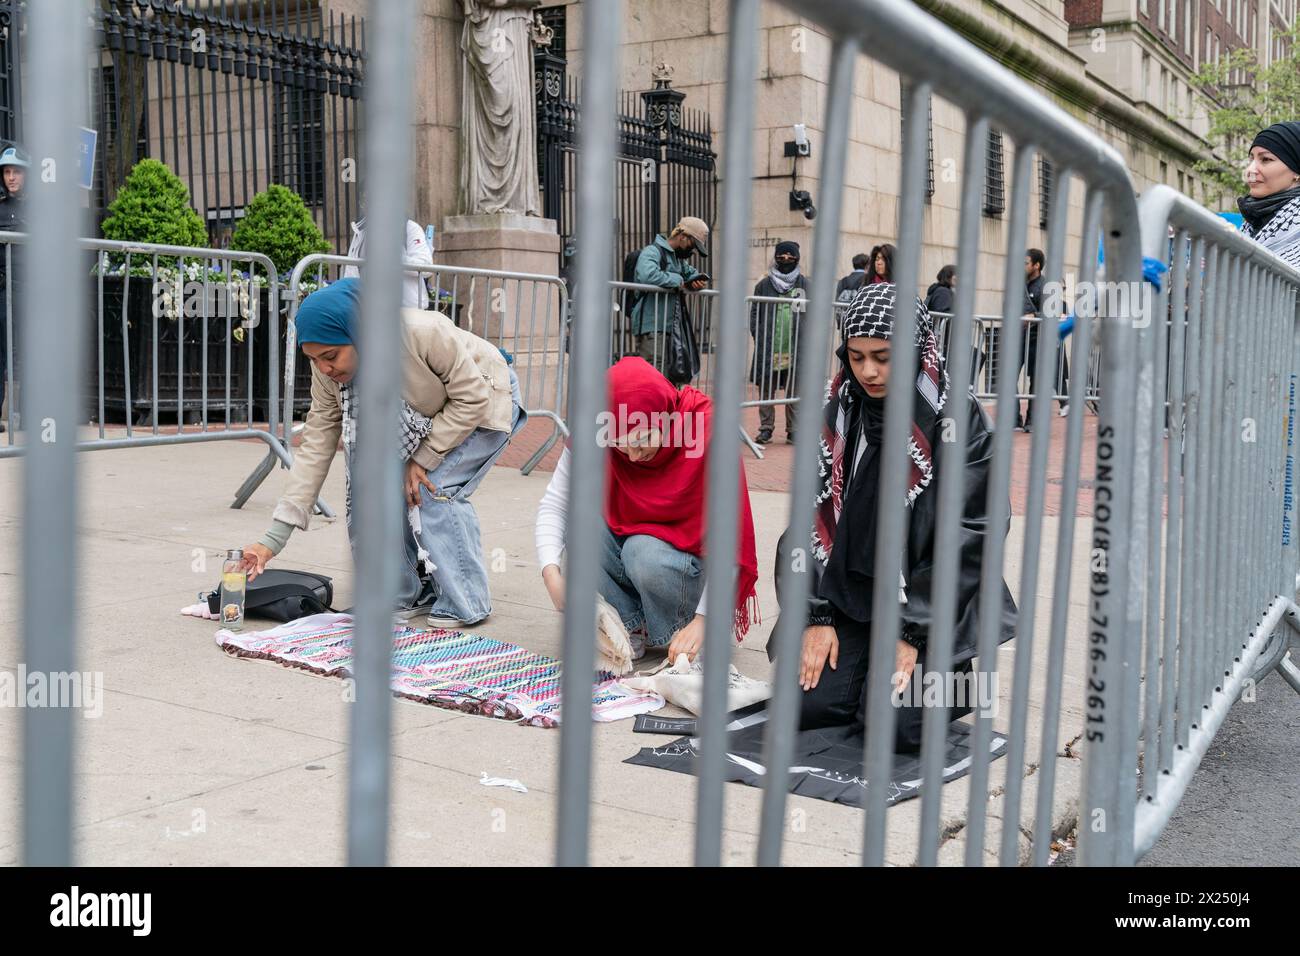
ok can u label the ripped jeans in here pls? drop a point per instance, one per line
(449, 528)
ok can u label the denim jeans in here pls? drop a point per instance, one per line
(648, 581)
(449, 529)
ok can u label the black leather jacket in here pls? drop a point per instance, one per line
(916, 613)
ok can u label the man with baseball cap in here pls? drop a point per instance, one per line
(14, 164)
(664, 263)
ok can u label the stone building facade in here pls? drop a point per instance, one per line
(1119, 66)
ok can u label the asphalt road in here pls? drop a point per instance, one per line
(1241, 808)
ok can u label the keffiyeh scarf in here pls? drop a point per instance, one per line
(1280, 235)
(870, 314)
(414, 428)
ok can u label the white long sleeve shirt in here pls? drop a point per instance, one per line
(548, 533)
(415, 249)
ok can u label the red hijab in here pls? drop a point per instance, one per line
(664, 496)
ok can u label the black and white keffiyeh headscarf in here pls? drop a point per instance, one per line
(414, 428)
(870, 314)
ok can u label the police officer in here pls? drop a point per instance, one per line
(14, 164)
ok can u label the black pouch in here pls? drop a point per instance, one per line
(681, 351)
(283, 595)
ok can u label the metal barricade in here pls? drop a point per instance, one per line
(933, 60)
(1212, 575)
(178, 331)
(1230, 537)
(525, 314)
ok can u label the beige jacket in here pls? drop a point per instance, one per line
(458, 379)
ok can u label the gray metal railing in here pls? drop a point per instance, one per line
(1214, 553)
(521, 312)
(934, 60)
(1233, 575)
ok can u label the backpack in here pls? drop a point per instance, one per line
(629, 275)
(283, 595)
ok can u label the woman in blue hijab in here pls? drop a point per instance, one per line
(460, 405)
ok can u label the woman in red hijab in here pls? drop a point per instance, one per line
(652, 550)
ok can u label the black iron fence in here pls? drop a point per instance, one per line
(665, 167)
(233, 97)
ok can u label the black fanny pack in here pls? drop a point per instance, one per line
(283, 595)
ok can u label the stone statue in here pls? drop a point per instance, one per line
(499, 131)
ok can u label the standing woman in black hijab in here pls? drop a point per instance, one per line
(836, 637)
(1272, 209)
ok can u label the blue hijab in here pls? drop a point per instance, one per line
(327, 316)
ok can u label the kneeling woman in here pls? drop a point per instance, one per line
(460, 405)
(834, 659)
(652, 544)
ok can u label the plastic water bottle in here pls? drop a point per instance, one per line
(234, 585)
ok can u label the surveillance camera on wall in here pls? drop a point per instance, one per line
(802, 199)
(800, 145)
(801, 139)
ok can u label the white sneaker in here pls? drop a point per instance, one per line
(636, 640)
(449, 623)
(1065, 410)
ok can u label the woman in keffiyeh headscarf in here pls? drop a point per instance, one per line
(834, 657)
(1271, 210)
(460, 405)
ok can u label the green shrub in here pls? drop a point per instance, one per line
(278, 225)
(153, 206)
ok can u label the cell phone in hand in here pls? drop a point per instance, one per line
(703, 277)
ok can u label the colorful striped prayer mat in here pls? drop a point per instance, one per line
(445, 668)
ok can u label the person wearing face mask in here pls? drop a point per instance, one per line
(842, 542)
(663, 263)
(775, 330)
(652, 545)
(1272, 209)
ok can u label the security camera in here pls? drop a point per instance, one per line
(801, 139)
(799, 146)
(802, 199)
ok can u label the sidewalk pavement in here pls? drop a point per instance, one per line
(202, 759)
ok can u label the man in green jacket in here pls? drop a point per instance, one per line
(663, 263)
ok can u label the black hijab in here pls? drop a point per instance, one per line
(1283, 141)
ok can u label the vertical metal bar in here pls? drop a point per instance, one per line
(1216, 278)
(894, 462)
(126, 347)
(1193, 496)
(723, 502)
(1111, 612)
(52, 350)
(1065, 538)
(1155, 490)
(1040, 410)
(596, 226)
(1173, 537)
(377, 502)
(778, 748)
(101, 262)
(939, 644)
(998, 507)
(180, 351)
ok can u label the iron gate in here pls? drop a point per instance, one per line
(665, 166)
(232, 97)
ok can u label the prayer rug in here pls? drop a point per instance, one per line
(827, 763)
(446, 668)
